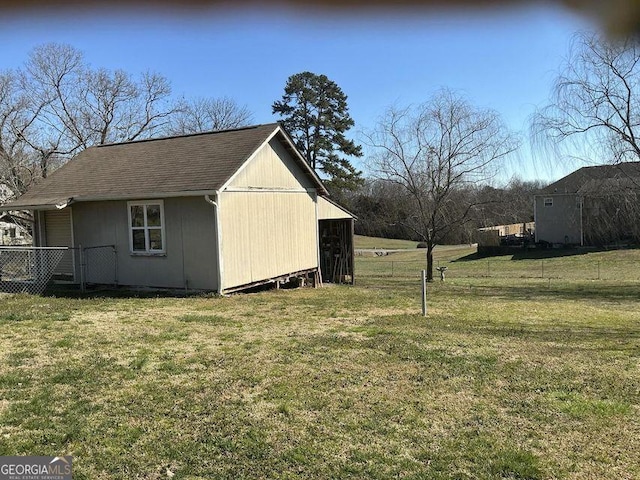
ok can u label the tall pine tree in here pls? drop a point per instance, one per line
(314, 111)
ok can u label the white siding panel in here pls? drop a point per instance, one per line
(266, 234)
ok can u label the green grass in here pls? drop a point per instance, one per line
(362, 241)
(463, 263)
(506, 378)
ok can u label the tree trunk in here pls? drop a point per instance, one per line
(430, 247)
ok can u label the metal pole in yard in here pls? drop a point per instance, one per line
(392, 268)
(542, 265)
(598, 269)
(424, 293)
(488, 268)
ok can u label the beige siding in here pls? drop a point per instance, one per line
(266, 234)
(190, 260)
(58, 233)
(329, 211)
(272, 168)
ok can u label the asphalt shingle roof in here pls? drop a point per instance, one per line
(574, 182)
(190, 163)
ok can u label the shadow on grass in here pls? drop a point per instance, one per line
(73, 291)
(592, 291)
(532, 253)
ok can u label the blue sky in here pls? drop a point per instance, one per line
(502, 59)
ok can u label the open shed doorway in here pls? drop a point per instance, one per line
(336, 250)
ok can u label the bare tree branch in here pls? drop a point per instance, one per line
(437, 151)
(595, 106)
(208, 114)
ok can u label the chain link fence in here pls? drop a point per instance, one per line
(28, 269)
(99, 266)
(549, 268)
(32, 269)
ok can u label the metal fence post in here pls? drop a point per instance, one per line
(542, 266)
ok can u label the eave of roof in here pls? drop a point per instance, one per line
(185, 165)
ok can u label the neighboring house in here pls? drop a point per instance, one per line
(218, 211)
(509, 234)
(13, 232)
(591, 206)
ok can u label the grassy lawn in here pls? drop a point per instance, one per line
(463, 265)
(361, 241)
(515, 378)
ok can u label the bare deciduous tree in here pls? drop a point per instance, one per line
(84, 106)
(434, 151)
(118, 108)
(207, 114)
(595, 104)
(58, 105)
(18, 162)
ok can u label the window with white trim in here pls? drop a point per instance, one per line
(548, 202)
(146, 227)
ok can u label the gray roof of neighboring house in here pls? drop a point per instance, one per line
(184, 164)
(588, 179)
(607, 186)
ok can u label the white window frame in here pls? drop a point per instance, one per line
(148, 250)
(548, 202)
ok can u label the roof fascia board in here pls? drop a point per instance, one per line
(145, 196)
(17, 208)
(107, 198)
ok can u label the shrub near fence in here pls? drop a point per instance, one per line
(609, 266)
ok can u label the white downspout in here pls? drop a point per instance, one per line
(216, 207)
